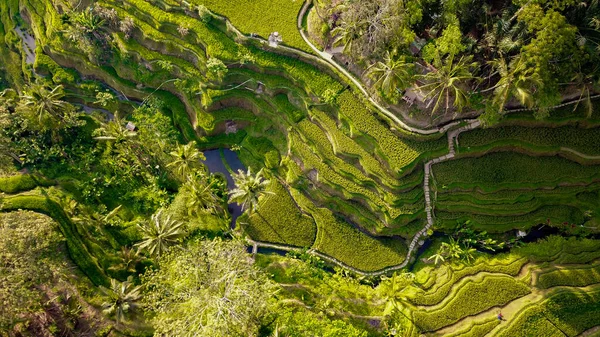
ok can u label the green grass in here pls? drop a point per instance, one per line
(262, 17)
(22, 182)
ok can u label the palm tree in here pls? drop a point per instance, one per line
(393, 291)
(200, 194)
(248, 189)
(448, 79)
(437, 258)
(90, 23)
(129, 258)
(122, 298)
(159, 233)
(44, 102)
(186, 159)
(346, 33)
(516, 80)
(391, 74)
(115, 131)
(586, 82)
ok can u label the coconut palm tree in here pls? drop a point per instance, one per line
(437, 258)
(347, 32)
(123, 297)
(186, 159)
(45, 103)
(129, 258)
(201, 197)
(159, 233)
(114, 131)
(248, 189)
(392, 289)
(447, 81)
(390, 75)
(587, 82)
(516, 80)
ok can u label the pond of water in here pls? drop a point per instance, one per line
(215, 162)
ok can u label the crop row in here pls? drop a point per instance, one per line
(477, 329)
(344, 144)
(549, 139)
(508, 169)
(279, 220)
(567, 312)
(570, 276)
(446, 278)
(555, 214)
(472, 298)
(347, 187)
(399, 153)
(514, 196)
(339, 239)
(561, 250)
(262, 17)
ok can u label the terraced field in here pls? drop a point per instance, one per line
(347, 183)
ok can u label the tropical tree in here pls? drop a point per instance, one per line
(248, 189)
(114, 131)
(448, 81)
(437, 258)
(129, 258)
(91, 23)
(159, 234)
(211, 288)
(122, 297)
(45, 103)
(393, 291)
(517, 79)
(186, 158)
(391, 75)
(200, 195)
(347, 33)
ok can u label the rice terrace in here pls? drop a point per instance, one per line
(319, 168)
